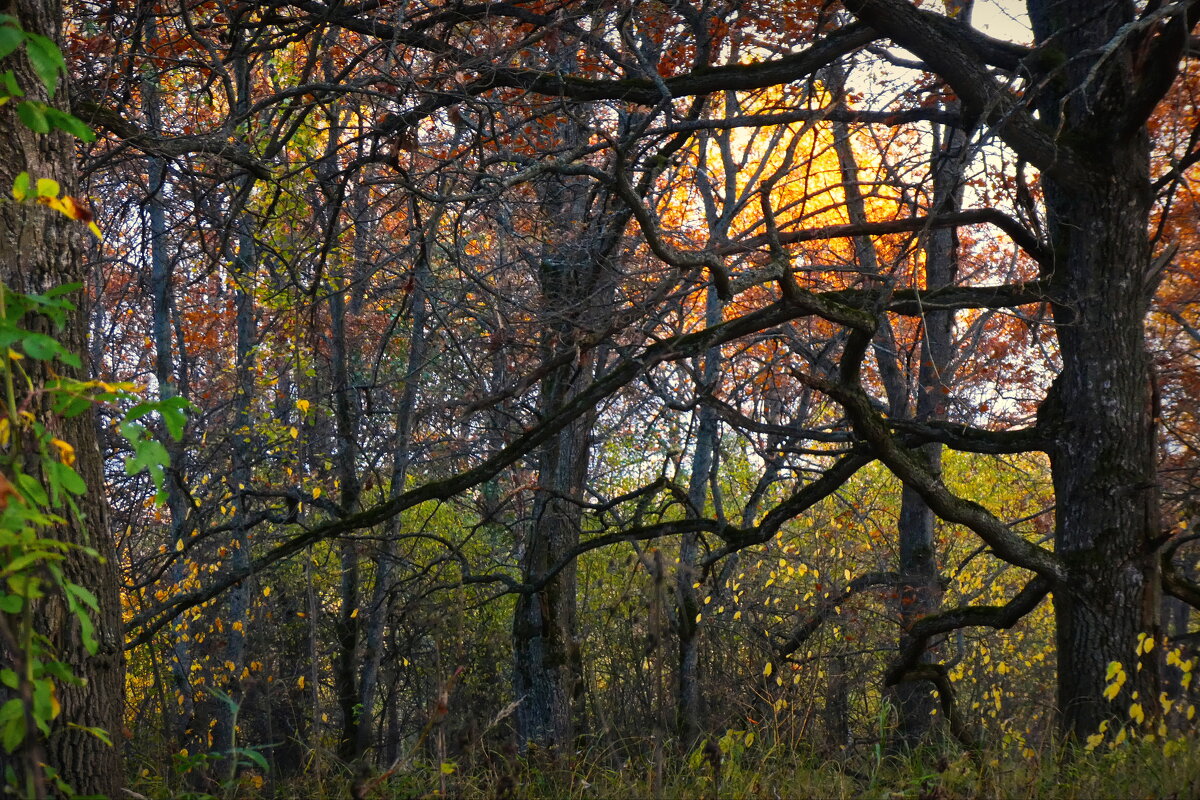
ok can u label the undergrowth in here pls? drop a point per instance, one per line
(729, 769)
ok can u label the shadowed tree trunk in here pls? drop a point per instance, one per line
(1103, 461)
(920, 590)
(40, 250)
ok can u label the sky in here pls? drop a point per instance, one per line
(1002, 19)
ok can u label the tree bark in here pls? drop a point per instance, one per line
(1103, 460)
(40, 250)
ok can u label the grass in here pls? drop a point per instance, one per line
(1143, 769)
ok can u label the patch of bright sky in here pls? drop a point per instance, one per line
(1003, 19)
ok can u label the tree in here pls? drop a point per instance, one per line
(570, 223)
(41, 251)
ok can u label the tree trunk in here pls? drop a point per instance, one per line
(39, 250)
(707, 432)
(546, 651)
(1103, 461)
(381, 603)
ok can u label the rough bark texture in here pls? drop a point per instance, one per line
(39, 250)
(1103, 461)
(546, 650)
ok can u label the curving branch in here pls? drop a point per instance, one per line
(950, 50)
(998, 617)
(1021, 235)
(909, 467)
(1174, 582)
(216, 144)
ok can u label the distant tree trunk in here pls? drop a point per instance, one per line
(39, 250)
(178, 716)
(920, 590)
(707, 431)
(381, 605)
(346, 626)
(546, 650)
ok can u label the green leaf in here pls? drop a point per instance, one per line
(83, 594)
(10, 39)
(174, 413)
(87, 631)
(99, 733)
(150, 455)
(70, 123)
(9, 678)
(46, 58)
(12, 718)
(58, 292)
(31, 489)
(43, 708)
(33, 116)
(8, 82)
(41, 346)
(20, 189)
(48, 187)
(11, 603)
(254, 757)
(66, 477)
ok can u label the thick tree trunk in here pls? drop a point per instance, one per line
(547, 670)
(1103, 461)
(39, 250)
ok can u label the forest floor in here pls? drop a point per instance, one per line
(1145, 769)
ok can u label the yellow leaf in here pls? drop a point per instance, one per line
(447, 768)
(266, 591)
(179, 545)
(767, 669)
(300, 682)
(66, 453)
(1111, 691)
(316, 492)
(354, 614)
(47, 187)
(294, 431)
(1136, 713)
(303, 405)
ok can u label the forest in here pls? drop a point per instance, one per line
(599, 398)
